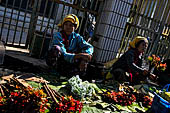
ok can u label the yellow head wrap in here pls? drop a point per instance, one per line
(71, 18)
(133, 43)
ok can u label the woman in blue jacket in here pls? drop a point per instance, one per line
(69, 49)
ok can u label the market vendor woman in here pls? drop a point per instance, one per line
(68, 49)
(131, 62)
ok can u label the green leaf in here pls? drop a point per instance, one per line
(123, 108)
(34, 84)
(63, 78)
(131, 108)
(104, 90)
(64, 90)
(64, 83)
(47, 110)
(87, 109)
(102, 105)
(53, 87)
(59, 87)
(96, 88)
(138, 106)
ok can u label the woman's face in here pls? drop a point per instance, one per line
(68, 27)
(142, 47)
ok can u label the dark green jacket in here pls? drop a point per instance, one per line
(131, 61)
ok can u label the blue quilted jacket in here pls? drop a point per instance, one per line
(76, 45)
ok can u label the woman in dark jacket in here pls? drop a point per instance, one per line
(131, 62)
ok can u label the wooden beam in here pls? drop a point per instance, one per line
(75, 6)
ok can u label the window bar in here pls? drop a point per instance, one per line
(33, 22)
(69, 9)
(155, 23)
(144, 32)
(52, 5)
(141, 12)
(168, 17)
(135, 33)
(62, 16)
(151, 42)
(151, 21)
(95, 7)
(146, 17)
(146, 13)
(159, 11)
(126, 31)
(91, 4)
(167, 9)
(158, 46)
(42, 21)
(123, 40)
(56, 5)
(154, 3)
(3, 19)
(10, 21)
(138, 11)
(17, 21)
(128, 37)
(80, 21)
(86, 3)
(22, 29)
(84, 30)
(168, 20)
(86, 19)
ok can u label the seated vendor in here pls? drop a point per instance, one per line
(131, 62)
(68, 49)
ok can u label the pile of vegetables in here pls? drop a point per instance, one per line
(81, 89)
(82, 97)
(120, 98)
(126, 97)
(15, 96)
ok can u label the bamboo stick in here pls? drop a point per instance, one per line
(51, 93)
(2, 92)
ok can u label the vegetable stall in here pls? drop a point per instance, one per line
(37, 95)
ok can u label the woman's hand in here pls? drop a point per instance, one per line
(84, 56)
(83, 65)
(145, 72)
(150, 75)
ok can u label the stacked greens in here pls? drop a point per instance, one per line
(80, 88)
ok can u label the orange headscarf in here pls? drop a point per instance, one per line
(133, 43)
(71, 18)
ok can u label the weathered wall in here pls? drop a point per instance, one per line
(110, 29)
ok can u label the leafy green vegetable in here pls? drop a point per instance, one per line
(80, 88)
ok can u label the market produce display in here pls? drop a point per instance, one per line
(85, 97)
(15, 96)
